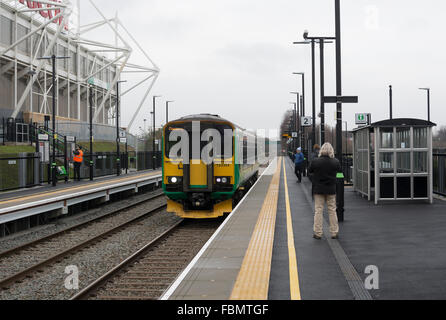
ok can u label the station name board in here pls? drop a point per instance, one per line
(47, 13)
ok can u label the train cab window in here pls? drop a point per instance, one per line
(172, 138)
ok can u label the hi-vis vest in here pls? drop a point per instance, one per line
(79, 157)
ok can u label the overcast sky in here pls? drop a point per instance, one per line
(235, 58)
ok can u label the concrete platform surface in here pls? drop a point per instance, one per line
(404, 243)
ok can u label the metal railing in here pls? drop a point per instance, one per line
(439, 172)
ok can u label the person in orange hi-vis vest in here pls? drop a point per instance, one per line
(78, 159)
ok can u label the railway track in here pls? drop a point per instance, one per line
(26, 260)
(149, 272)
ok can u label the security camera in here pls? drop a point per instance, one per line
(306, 34)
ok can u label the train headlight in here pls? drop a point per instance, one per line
(174, 180)
(222, 180)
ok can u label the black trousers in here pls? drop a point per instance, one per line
(77, 171)
(298, 171)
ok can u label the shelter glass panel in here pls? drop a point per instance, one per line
(386, 138)
(403, 162)
(386, 162)
(420, 162)
(402, 138)
(420, 137)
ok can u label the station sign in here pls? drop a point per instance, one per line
(306, 121)
(294, 135)
(362, 118)
(70, 139)
(123, 140)
(122, 134)
(341, 99)
(43, 137)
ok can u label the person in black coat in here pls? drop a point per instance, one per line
(324, 171)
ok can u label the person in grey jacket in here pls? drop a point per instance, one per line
(324, 170)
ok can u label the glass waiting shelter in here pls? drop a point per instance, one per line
(392, 160)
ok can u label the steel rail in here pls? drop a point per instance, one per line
(72, 228)
(5, 283)
(86, 292)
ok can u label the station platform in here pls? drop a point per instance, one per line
(265, 251)
(28, 202)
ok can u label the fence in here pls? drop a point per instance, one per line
(20, 171)
(439, 172)
(26, 169)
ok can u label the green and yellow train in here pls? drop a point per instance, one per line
(200, 189)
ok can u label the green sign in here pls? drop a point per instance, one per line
(362, 118)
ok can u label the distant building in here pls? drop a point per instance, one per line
(84, 68)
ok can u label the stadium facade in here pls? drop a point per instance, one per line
(30, 30)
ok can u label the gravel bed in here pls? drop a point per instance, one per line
(91, 262)
(26, 236)
(24, 259)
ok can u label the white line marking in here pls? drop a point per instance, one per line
(186, 271)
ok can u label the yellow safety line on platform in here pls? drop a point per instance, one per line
(253, 279)
(87, 186)
(294, 275)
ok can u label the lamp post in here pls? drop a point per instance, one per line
(295, 116)
(321, 41)
(167, 110)
(153, 137)
(428, 90)
(313, 88)
(53, 59)
(118, 156)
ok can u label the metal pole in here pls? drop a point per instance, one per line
(65, 159)
(91, 133)
(167, 112)
(126, 158)
(429, 105)
(153, 136)
(391, 102)
(321, 44)
(302, 129)
(346, 137)
(313, 89)
(118, 158)
(340, 179)
(53, 164)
